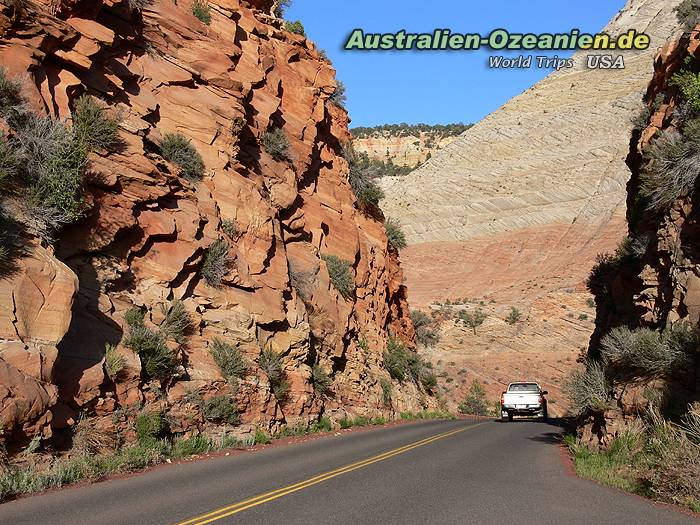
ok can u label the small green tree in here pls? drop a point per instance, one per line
(473, 319)
(474, 402)
(295, 27)
(339, 97)
(514, 316)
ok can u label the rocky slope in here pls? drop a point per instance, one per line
(147, 230)
(517, 208)
(655, 285)
(411, 147)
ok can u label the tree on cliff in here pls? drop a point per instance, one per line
(473, 319)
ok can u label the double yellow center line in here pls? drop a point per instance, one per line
(275, 494)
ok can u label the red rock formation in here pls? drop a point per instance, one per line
(660, 287)
(143, 241)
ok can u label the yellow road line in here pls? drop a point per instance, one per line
(269, 496)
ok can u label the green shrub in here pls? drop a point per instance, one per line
(177, 323)
(261, 437)
(322, 425)
(590, 302)
(362, 171)
(386, 391)
(156, 358)
(178, 149)
(673, 166)
(321, 380)
(583, 317)
(295, 27)
(148, 427)
(230, 227)
(90, 439)
(229, 359)
(339, 98)
(9, 162)
(427, 333)
(402, 363)
(514, 316)
(604, 270)
(201, 9)
(92, 126)
(645, 352)
(589, 390)
(53, 164)
(134, 317)
(472, 319)
(192, 446)
(11, 100)
(221, 409)
(688, 14)
(276, 144)
(340, 274)
(114, 362)
(270, 362)
(474, 402)
(429, 380)
(397, 239)
(216, 263)
(414, 130)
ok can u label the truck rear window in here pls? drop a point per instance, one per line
(524, 387)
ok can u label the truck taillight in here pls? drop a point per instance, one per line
(541, 400)
(503, 399)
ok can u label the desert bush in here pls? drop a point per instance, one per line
(177, 323)
(216, 263)
(340, 274)
(474, 402)
(688, 14)
(138, 5)
(230, 227)
(156, 358)
(673, 166)
(134, 316)
(179, 150)
(386, 391)
(589, 390)
(201, 9)
(472, 319)
(643, 351)
(92, 126)
(396, 359)
(53, 164)
(302, 281)
(429, 380)
(271, 363)
(148, 427)
(513, 316)
(90, 439)
(362, 171)
(396, 236)
(427, 333)
(295, 27)
(321, 380)
(114, 361)
(221, 409)
(9, 162)
(339, 97)
(229, 359)
(276, 144)
(604, 270)
(11, 101)
(191, 446)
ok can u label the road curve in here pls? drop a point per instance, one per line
(478, 472)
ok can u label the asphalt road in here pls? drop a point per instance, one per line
(427, 472)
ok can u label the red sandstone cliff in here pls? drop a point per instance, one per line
(147, 229)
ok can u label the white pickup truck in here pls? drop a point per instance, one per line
(523, 399)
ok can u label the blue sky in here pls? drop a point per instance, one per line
(436, 87)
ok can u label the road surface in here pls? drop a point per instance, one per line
(479, 472)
